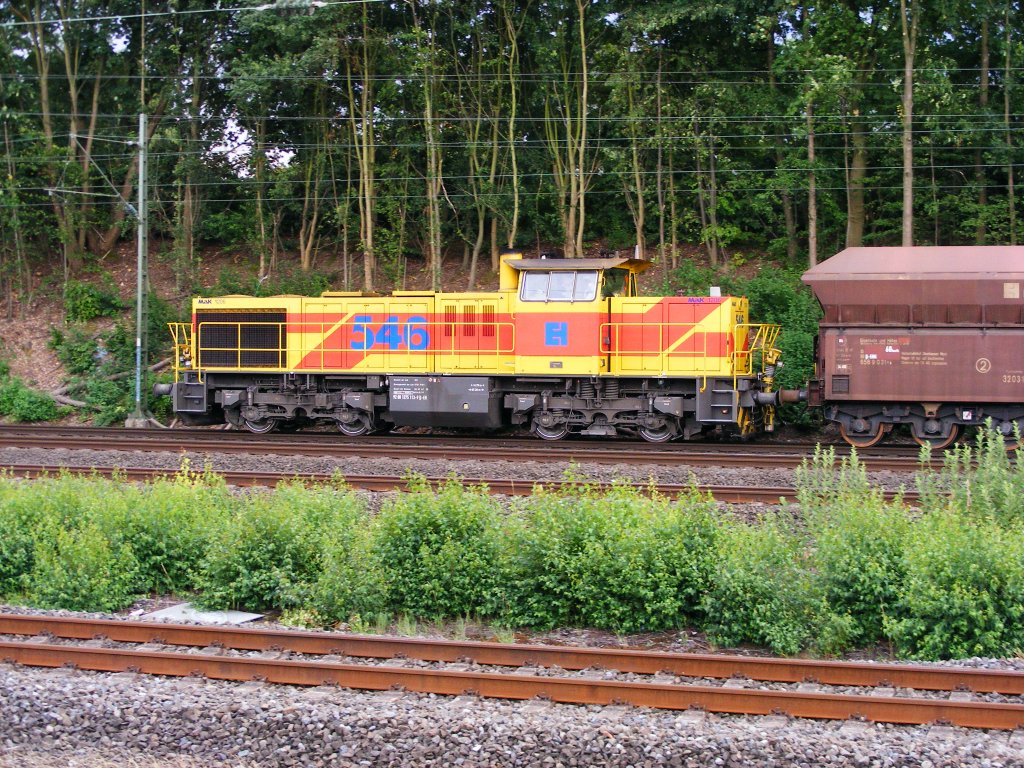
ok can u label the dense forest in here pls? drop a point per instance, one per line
(393, 134)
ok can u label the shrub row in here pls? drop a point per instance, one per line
(850, 569)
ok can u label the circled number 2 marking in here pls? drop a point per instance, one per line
(984, 365)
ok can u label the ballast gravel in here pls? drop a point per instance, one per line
(49, 716)
(527, 471)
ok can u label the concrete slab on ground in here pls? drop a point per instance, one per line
(185, 612)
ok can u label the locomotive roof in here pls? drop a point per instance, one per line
(636, 265)
(922, 262)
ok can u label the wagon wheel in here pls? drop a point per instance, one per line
(1010, 441)
(259, 426)
(937, 443)
(858, 440)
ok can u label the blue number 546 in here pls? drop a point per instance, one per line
(393, 334)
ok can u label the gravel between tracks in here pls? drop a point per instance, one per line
(49, 715)
(518, 470)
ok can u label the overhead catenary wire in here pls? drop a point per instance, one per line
(280, 5)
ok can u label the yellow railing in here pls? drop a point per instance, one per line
(181, 333)
(761, 338)
(752, 344)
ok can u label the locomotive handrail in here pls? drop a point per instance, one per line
(611, 343)
(181, 333)
(760, 337)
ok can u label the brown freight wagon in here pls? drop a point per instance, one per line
(932, 337)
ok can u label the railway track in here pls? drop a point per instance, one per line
(892, 458)
(384, 483)
(890, 693)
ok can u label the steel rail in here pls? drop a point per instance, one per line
(861, 674)
(386, 483)
(590, 452)
(562, 690)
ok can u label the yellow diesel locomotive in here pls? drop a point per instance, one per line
(564, 345)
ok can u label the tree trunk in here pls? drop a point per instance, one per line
(1007, 81)
(513, 62)
(812, 191)
(909, 27)
(260, 161)
(979, 168)
(581, 8)
(855, 212)
(639, 209)
(788, 217)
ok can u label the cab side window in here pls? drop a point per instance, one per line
(558, 286)
(535, 286)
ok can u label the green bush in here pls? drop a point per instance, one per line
(24, 404)
(112, 400)
(964, 589)
(350, 582)
(80, 570)
(617, 561)
(859, 541)
(168, 524)
(77, 349)
(267, 553)
(438, 553)
(762, 590)
(977, 480)
(17, 539)
(85, 301)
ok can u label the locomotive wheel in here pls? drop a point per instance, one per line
(661, 434)
(259, 426)
(858, 440)
(357, 428)
(554, 432)
(937, 443)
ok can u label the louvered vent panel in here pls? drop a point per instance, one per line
(241, 339)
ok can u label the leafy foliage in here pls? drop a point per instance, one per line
(76, 348)
(852, 570)
(964, 589)
(22, 403)
(978, 480)
(859, 541)
(621, 561)
(82, 570)
(85, 301)
(438, 552)
(762, 590)
(268, 552)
